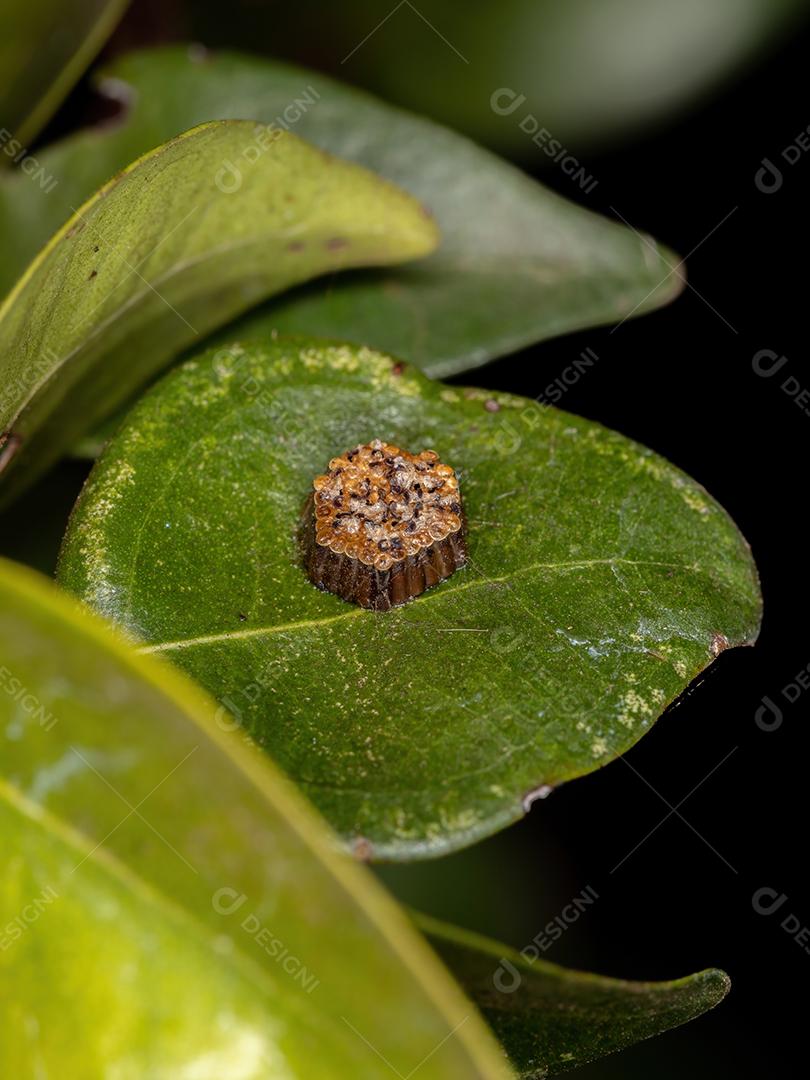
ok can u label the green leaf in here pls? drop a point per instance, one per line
(45, 46)
(183, 240)
(517, 264)
(550, 1019)
(601, 581)
(169, 905)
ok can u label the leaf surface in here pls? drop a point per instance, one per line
(601, 581)
(169, 905)
(518, 263)
(180, 242)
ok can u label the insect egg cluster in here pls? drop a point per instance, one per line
(382, 508)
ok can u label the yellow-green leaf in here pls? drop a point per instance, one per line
(169, 905)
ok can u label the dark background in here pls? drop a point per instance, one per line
(681, 381)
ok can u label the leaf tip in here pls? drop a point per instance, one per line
(716, 984)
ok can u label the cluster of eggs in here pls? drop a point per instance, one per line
(380, 504)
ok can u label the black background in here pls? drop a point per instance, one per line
(681, 381)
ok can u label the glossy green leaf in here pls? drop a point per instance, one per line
(169, 905)
(517, 263)
(183, 240)
(45, 46)
(550, 1019)
(601, 581)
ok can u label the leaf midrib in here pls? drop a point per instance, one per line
(303, 624)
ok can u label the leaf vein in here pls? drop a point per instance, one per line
(304, 624)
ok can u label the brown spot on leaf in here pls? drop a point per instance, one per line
(362, 849)
(9, 445)
(92, 274)
(335, 243)
(719, 644)
(491, 405)
(397, 368)
(198, 54)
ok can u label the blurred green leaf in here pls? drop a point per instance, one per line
(517, 263)
(550, 1019)
(601, 581)
(169, 905)
(591, 72)
(183, 240)
(45, 46)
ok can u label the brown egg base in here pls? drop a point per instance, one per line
(379, 590)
